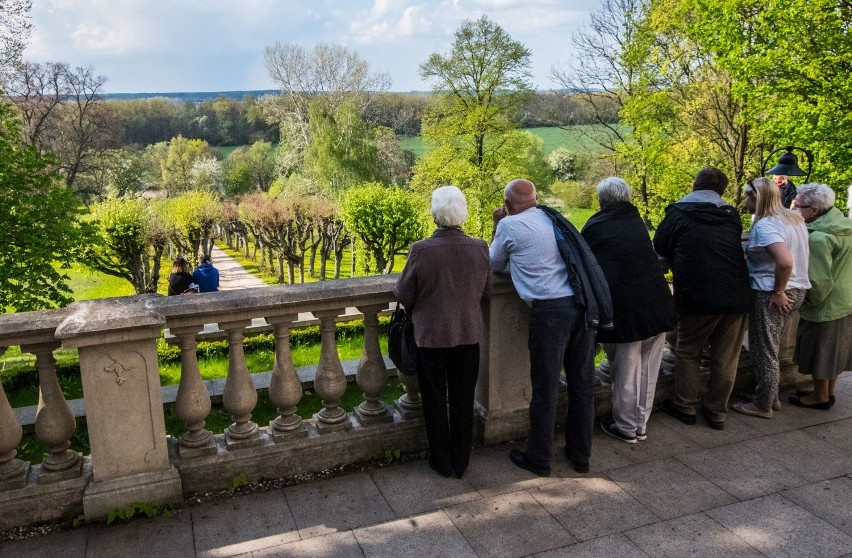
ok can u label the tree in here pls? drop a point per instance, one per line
(177, 162)
(63, 113)
(343, 150)
(132, 236)
(193, 217)
(14, 31)
(328, 73)
(478, 88)
(39, 224)
(385, 219)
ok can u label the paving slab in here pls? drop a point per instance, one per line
(245, 524)
(779, 528)
(64, 544)
(695, 535)
(837, 433)
(337, 504)
(830, 500)
(810, 457)
(791, 417)
(741, 471)
(664, 441)
(422, 536)
(611, 545)
(413, 488)
(605, 456)
(165, 537)
(508, 526)
(491, 473)
(336, 545)
(592, 507)
(669, 488)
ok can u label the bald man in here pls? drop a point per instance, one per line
(525, 246)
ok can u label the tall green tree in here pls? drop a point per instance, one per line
(385, 219)
(479, 88)
(177, 162)
(39, 226)
(193, 218)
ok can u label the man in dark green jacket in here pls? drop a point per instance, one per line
(700, 237)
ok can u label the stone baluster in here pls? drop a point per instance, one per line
(409, 404)
(13, 472)
(372, 374)
(330, 381)
(192, 403)
(285, 387)
(55, 423)
(240, 396)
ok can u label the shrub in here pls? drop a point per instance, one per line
(574, 194)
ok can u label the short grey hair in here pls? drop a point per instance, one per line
(613, 189)
(820, 196)
(449, 207)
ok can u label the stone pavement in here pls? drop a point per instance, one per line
(232, 275)
(780, 488)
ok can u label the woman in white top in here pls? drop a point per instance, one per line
(777, 256)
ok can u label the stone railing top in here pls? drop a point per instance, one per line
(25, 328)
(273, 301)
(108, 314)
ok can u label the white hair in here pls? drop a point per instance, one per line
(613, 189)
(449, 207)
(821, 196)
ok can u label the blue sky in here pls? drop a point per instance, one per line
(216, 45)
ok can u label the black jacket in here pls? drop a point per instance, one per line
(585, 275)
(704, 243)
(641, 300)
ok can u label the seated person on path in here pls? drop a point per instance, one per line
(642, 305)
(701, 236)
(179, 279)
(206, 276)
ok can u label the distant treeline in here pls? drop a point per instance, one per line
(237, 118)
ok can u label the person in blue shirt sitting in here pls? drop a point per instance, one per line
(206, 276)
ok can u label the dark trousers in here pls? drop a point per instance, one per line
(448, 375)
(559, 337)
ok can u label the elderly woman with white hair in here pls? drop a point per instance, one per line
(443, 283)
(823, 341)
(643, 308)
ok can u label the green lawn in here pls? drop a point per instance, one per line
(87, 284)
(579, 139)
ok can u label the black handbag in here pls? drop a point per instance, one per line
(401, 347)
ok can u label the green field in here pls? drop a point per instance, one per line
(578, 139)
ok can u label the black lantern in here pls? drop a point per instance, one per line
(788, 163)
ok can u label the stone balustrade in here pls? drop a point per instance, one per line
(132, 459)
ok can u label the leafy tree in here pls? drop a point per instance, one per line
(342, 150)
(250, 169)
(193, 217)
(39, 224)
(207, 174)
(385, 219)
(479, 88)
(132, 236)
(330, 74)
(176, 168)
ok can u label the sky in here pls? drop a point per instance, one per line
(144, 46)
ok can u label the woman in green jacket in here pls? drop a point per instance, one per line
(823, 341)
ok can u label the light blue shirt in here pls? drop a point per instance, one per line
(524, 245)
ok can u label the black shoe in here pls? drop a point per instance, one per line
(824, 406)
(714, 424)
(806, 392)
(459, 473)
(519, 458)
(672, 411)
(613, 431)
(581, 468)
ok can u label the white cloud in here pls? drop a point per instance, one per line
(97, 38)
